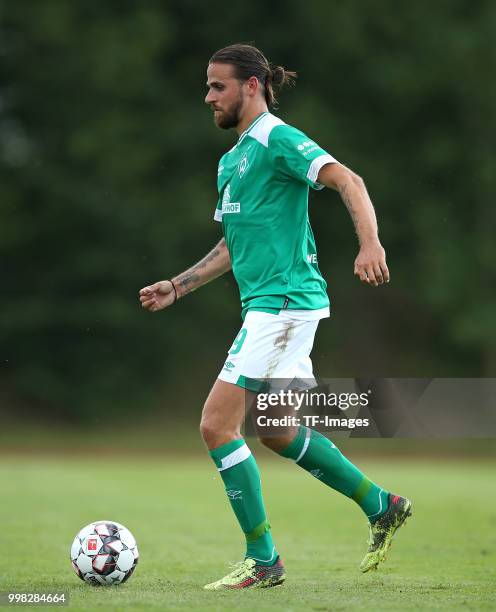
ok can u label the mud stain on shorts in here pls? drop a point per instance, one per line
(281, 344)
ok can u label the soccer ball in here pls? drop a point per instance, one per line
(105, 553)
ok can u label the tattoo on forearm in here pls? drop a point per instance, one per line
(189, 279)
(207, 259)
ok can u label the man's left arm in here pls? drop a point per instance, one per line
(370, 264)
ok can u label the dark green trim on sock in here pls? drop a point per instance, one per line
(296, 446)
(361, 493)
(258, 531)
(222, 451)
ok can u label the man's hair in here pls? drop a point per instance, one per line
(248, 61)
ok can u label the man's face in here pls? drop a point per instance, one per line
(225, 95)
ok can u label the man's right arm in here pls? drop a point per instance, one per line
(164, 293)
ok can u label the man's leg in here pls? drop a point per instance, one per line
(318, 455)
(222, 417)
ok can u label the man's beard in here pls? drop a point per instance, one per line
(230, 118)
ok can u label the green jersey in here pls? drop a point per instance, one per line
(263, 184)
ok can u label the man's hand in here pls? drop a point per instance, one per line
(165, 293)
(158, 296)
(370, 264)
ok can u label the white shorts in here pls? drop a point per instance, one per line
(273, 346)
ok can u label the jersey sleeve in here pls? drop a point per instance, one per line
(218, 208)
(296, 156)
(218, 211)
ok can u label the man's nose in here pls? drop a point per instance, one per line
(209, 98)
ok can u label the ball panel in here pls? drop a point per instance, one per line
(75, 549)
(77, 570)
(106, 529)
(125, 560)
(101, 564)
(118, 525)
(102, 530)
(128, 574)
(113, 545)
(127, 538)
(115, 577)
(84, 563)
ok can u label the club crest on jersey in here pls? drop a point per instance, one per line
(243, 165)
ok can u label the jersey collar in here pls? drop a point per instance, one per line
(251, 126)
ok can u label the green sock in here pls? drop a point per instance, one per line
(318, 455)
(241, 476)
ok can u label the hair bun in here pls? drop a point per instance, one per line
(278, 75)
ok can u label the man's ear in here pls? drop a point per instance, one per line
(252, 85)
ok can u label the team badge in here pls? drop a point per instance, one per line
(243, 165)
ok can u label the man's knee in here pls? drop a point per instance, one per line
(215, 433)
(207, 431)
(222, 414)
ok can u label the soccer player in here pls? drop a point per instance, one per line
(263, 184)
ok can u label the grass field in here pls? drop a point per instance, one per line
(444, 558)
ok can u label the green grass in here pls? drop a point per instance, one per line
(444, 558)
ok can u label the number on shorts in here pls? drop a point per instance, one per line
(238, 343)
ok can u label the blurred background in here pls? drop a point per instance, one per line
(108, 183)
